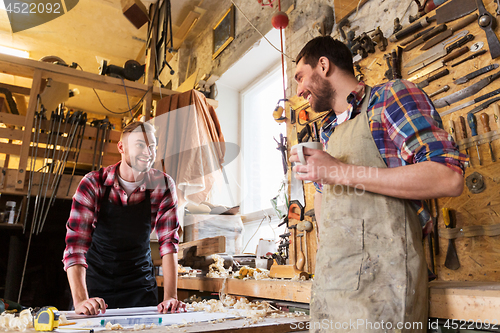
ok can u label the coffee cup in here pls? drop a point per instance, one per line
(300, 150)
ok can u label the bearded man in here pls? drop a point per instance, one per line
(107, 256)
(385, 150)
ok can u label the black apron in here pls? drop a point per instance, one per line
(120, 269)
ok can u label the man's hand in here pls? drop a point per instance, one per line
(91, 306)
(171, 304)
(321, 167)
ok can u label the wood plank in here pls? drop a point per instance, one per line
(11, 134)
(28, 125)
(16, 89)
(205, 246)
(286, 290)
(268, 325)
(10, 149)
(12, 119)
(26, 68)
(471, 301)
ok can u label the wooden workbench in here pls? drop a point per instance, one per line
(478, 301)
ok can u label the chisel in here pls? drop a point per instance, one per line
(464, 135)
(439, 91)
(485, 120)
(472, 56)
(436, 76)
(471, 120)
(451, 261)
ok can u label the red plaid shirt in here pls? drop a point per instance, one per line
(86, 204)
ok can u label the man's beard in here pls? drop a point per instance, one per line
(322, 99)
(136, 166)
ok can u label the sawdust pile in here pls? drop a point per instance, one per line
(11, 322)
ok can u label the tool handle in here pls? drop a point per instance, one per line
(442, 90)
(429, 34)
(496, 110)
(415, 36)
(456, 54)
(463, 23)
(462, 127)
(446, 217)
(486, 96)
(471, 120)
(462, 41)
(485, 120)
(472, 56)
(410, 29)
(439, 75)
(451, 130)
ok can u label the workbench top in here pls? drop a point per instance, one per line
(461, 300)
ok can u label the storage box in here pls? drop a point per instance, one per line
(204, 226)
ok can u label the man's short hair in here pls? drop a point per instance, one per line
(325, 46)
(138, 126)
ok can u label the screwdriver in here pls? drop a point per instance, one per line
(464, 135)
(471, 119)
(485, 120)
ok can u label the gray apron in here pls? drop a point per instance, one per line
(371, 274)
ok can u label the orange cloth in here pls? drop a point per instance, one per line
(191, 146)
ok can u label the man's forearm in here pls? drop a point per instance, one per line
(419, 181)
(77, 283)
(169, 266)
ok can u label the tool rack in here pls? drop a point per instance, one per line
(478, 255)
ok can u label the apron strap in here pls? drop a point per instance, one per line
(366, 99)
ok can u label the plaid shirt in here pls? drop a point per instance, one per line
(86, 204)
(406, 128)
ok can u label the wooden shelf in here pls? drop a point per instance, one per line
(285, 290)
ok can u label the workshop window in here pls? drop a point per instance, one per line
(262, 167)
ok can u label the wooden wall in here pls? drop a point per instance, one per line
(479, 256)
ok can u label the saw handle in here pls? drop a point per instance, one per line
(463, 127)
(295, 204)
(462, 41)
(485, 120)
(471, 120)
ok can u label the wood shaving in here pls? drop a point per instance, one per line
(113, 327)
(10, 322)
(217, 270)
(138, 327)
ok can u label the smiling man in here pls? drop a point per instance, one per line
(385, 150)
(107, 256)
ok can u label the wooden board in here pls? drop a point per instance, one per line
(469, 301)
(205, 246)
(285, 290)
